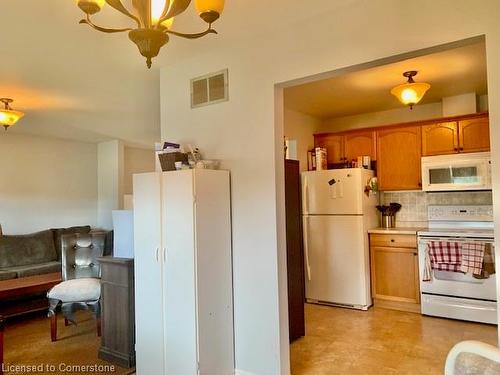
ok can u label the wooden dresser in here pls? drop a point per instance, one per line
(118, 311)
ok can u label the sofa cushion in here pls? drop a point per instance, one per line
(36, 269)
(21, 250)
(59, 232)
(76, 290)
(7, 275)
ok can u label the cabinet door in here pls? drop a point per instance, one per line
(148, 275)
(360, 143)
(395, 274)
(179, 275)
(398, 158)
(474, 135)
(440, 138)
(334, 145)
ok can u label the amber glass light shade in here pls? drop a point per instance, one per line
(410, 93)
(9, 117)
(210, 10)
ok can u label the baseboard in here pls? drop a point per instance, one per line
(241, 372)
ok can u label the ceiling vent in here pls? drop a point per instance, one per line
(209, 89)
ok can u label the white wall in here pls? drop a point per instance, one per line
(110, 172)
(136, 160)
(46, 183)
(301, 127)
(391, 116)
(293, 41)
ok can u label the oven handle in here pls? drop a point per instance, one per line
(456, 239)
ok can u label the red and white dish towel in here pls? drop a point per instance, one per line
(472, 257)
(454, 257)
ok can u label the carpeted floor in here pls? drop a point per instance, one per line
(27, 342)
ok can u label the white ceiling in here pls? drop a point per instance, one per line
(452, 72)
(74, 82)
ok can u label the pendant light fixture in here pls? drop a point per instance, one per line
(411, 92)
(153, 20)
(8, 116)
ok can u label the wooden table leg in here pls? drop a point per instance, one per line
(53, 327)
(1, 344)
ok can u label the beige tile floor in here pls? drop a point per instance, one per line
(379, 341)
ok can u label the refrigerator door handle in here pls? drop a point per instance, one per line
(305, 197)
(306, 248)
(340, 188)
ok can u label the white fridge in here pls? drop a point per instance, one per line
(337, 213)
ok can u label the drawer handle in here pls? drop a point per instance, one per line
(392, 239)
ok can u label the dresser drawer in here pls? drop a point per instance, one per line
(393, 240)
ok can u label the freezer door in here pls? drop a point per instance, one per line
(336, 257)
(334, 192)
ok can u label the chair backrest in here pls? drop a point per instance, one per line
(80, 253)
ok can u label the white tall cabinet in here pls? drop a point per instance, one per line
(183, 273)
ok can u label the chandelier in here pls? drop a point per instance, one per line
(411, 92)
(8, 116)
(153, 20)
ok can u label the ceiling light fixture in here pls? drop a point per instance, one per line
(411, 92)
(154, 19)
(8, 116)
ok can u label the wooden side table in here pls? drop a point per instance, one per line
(117, 311)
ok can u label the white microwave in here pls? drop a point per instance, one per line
(457, 172)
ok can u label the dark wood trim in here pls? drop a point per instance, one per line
(2, 326)
(409, 123)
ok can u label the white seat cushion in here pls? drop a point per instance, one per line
(77, 290)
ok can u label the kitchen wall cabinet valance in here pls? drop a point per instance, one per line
(398, 163)
(183, 273)
(466, 135)
(346, 146)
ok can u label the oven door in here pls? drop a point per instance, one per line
(456, 284)
(456, 172)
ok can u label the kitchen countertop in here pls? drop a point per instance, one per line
(401, 230)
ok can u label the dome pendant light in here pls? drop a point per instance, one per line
(8, 116)
(411, 92)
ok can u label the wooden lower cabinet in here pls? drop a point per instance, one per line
(394, 272)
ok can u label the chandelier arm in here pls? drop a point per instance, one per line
(117, 4)
(192, 36)
(175, 8)
(102, 29)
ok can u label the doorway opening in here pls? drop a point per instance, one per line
(350, 146)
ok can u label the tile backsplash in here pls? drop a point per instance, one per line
(414, 204)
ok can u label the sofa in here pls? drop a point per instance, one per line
(37, 253)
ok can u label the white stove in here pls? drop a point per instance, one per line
(454, 294)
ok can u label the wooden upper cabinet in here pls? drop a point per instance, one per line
(474, 134)
(334, 144)
(398, 158)
(440, 138)
(360, 143)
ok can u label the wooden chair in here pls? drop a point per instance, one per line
(81, 287)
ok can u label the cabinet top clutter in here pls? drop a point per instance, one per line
(397, 149)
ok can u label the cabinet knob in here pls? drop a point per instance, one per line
(461, 148)
(392, 239)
